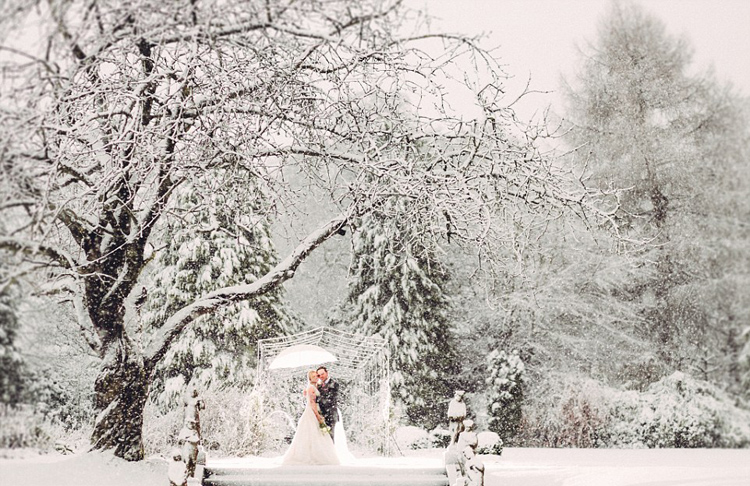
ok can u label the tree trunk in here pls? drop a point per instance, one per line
(121, 390)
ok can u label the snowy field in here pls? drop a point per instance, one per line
(516, 467)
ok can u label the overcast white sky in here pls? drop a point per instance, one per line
(539, 37)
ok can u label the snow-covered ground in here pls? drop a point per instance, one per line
(516, 467)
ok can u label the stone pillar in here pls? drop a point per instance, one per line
(462, 465)
(456, 415)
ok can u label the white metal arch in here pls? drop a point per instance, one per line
(360, 365)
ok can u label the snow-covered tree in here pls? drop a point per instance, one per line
(505, 392)
(398, 292)
(674, 143)
(11, 361)
(219, 238)
(744, 363)
(119, 104)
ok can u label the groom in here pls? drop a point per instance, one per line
(329, 399)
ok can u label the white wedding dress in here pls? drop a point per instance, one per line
(311, 445)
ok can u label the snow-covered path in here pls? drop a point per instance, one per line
(630, 467)
(516, 467)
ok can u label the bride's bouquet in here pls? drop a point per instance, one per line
(324, 428)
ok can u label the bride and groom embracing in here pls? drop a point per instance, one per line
(313, 442)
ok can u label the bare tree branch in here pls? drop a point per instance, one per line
(34, 248)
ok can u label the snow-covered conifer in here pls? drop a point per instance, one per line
(399, 293)
(505, 383)
(215, 243)
(11, 362)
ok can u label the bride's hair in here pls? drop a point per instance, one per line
(312, 376)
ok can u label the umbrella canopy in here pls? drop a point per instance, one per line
(301, 355)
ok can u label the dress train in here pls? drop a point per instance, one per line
(311, 445)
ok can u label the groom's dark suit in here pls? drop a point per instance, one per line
(328, 401)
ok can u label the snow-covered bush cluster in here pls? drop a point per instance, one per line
(23, 427)
(410, 437)
(489, 443)
(440, 437)
(233, 423)
(677, 411)
(564, 411)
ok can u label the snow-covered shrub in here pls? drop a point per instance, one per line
(641, 371)
(678, 411)
(565, 411)
(505, 383)
(57, 407)
(744, 362)
(22, 428)
(237, 423)
(440, 437)
(62, 392)
(411, 437)
(368, 429)
(233, 423)
(160, 429)
(25, 427)
(489, 443)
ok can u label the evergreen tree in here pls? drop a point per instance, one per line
(399, 293)
(11, 361)
(217, 244)
(505, 388)
(744, 363)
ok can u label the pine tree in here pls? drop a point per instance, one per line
(11, 361)
(505, 384)
(204, 250)
(398, 292)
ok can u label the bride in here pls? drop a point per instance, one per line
(312, 443)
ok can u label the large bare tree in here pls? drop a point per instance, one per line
(108, 106)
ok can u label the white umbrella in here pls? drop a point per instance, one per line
(301, 355)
